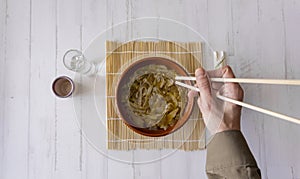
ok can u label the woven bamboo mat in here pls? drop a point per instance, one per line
(118, 56)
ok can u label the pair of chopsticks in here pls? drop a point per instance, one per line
(243, 104)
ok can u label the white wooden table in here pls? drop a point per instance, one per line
(39, 137)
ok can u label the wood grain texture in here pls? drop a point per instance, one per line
(265, 49)
(2, 78)
(40, 139)
(43, 54)
(17, 90)
(68, 139)
(94, 165)
(117, 12)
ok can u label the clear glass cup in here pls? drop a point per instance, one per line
(74, 60)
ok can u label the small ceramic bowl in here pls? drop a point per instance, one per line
(125, 80)
(63, 86)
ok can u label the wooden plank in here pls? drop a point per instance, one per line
(219, 25)
(94, 20)
(178, 162)
(68, 139)
(119, 170)
(184, 164)
(94, 164)
(42, 101)
(148, 168)
(291, 16)
(17, 61)
(272, 48)
(220, 31)
(2, 79)
(196, 165)
(246, 17)
(281, 171)
(266, 48)
(118, 11)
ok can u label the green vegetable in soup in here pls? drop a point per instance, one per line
(154, 99)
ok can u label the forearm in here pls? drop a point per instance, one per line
(229, 156)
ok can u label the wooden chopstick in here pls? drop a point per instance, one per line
(245, 80)
(255, 108)
(187, 86)
(249, 106)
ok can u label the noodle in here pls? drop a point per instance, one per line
(153, 99)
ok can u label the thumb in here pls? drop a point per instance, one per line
(203, 83)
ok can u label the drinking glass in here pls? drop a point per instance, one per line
(74, 60)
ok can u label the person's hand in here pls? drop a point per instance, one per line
(218, 115)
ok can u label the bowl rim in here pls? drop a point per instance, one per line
(188, 107)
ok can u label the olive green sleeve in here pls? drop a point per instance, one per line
(228, 156)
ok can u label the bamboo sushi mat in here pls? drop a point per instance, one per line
(118, 56)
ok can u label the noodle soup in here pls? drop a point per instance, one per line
(153, 100)
(147, 99)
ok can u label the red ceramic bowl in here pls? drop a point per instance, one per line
(124, 79)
